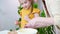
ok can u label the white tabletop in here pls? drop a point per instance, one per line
(4, 32)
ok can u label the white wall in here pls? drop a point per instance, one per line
(8, 14)
(40, 5)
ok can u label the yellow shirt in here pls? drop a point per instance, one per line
(25, 12)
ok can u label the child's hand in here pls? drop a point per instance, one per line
(17, 22)
(27, 18)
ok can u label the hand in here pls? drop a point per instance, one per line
(17, 22)
(36, 15)
(26, 18)
(34, 23)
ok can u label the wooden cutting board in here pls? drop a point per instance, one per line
(12, 32)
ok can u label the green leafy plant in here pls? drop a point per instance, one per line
(19, 19)
(35, 5)
(42, 14)
(11, 30)
(17, 28)
(19, 9)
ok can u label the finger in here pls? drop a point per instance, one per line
(16, 23)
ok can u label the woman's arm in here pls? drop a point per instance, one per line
(40, 22)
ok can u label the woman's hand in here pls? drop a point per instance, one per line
(34, 23)
(36, 15)
(27, 18)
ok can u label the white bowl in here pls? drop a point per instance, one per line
(27, 31)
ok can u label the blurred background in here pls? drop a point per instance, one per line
(8, 13)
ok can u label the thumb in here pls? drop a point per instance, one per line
(27, 25)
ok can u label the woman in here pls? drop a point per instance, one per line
(54, 11)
